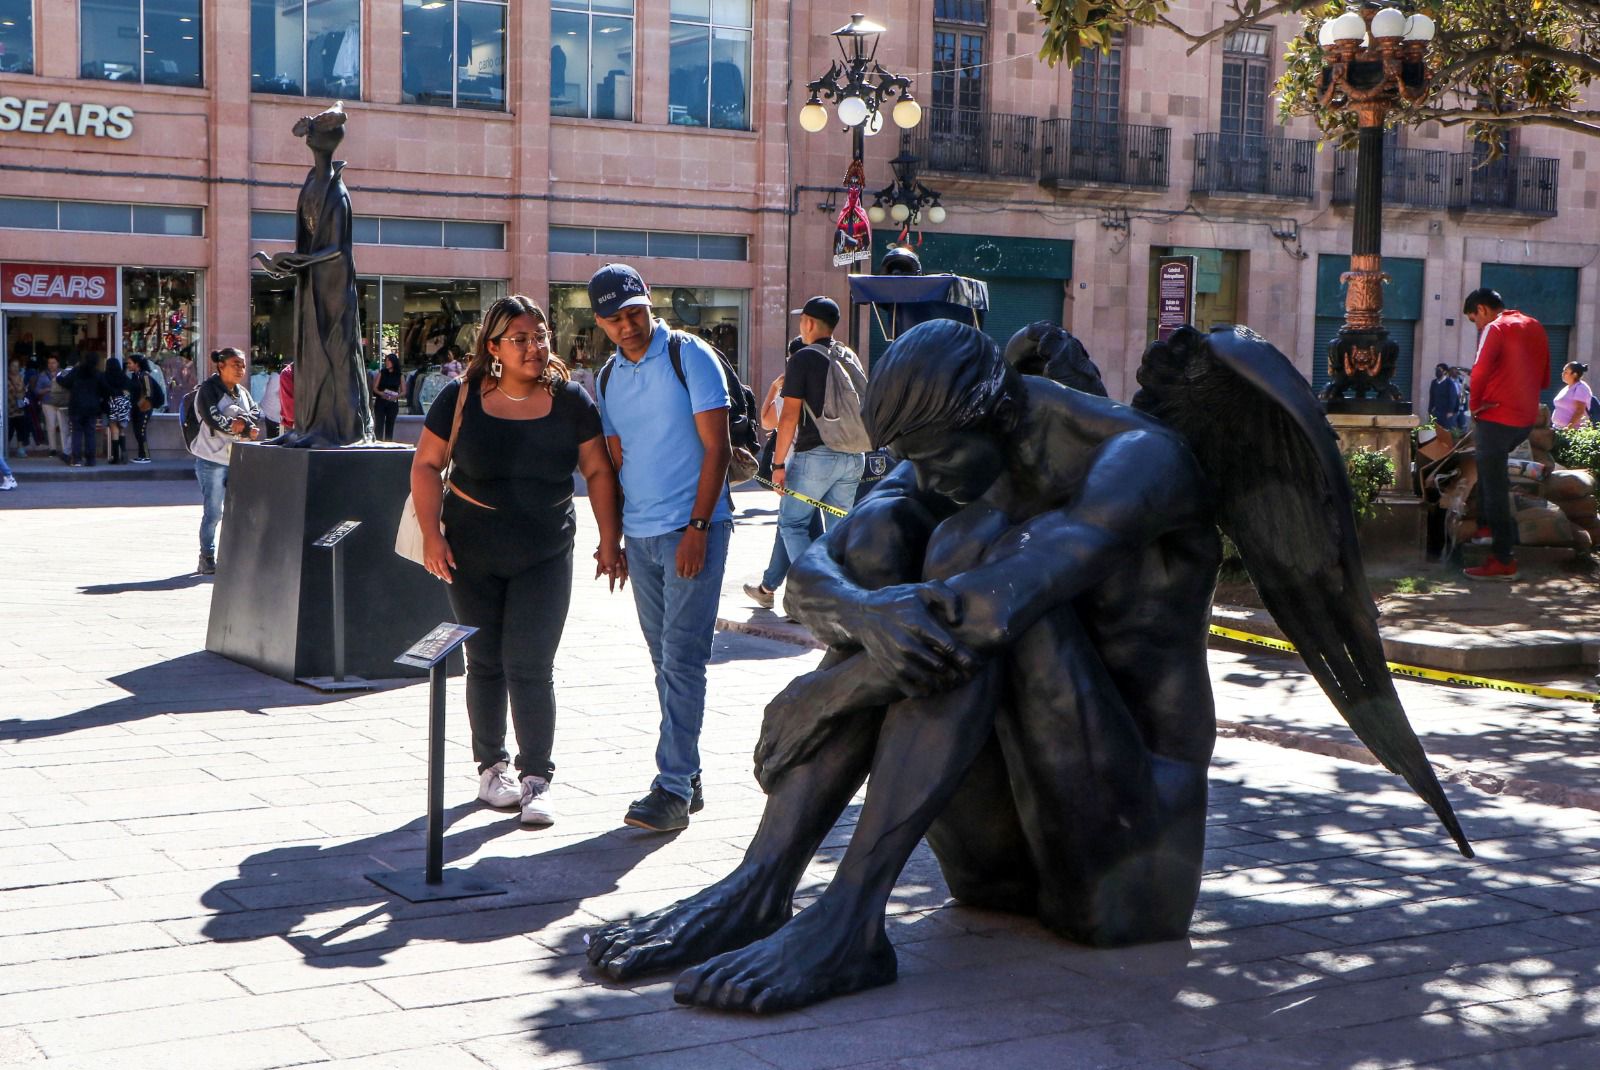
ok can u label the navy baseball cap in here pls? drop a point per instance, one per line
(822, 309)
(616, 287)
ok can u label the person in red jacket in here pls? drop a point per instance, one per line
(1512, 367)
(286, 397)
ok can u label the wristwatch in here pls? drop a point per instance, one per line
(778, 466)
(699, 523)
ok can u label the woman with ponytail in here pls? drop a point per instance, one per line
(500, 532)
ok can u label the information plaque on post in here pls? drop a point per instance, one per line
(434, 883)
(332, 540)
(1175, 279)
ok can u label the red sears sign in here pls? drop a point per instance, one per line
(69, 285)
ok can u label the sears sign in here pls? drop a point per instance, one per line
(78, 120)
(62, 286)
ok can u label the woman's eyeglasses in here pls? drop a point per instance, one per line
(526, 341)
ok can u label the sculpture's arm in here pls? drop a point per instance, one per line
(1139, 486)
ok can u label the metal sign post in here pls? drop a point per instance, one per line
(431, 652)
(333, 541)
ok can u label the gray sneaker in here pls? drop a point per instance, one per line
(498, 788)
(760, 595)
(207, 565)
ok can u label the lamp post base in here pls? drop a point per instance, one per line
(1361, 361)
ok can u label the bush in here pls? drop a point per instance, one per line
(1579, 448)
(1370, 471)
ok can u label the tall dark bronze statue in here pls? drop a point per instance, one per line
(1017, 621)
(332, 406)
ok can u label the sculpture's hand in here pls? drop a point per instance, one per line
(792, 727)
(281, 265)
(904, 631)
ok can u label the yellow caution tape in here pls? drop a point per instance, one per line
(835, 510)
(1416, 672)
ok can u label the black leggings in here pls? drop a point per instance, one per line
(385, 413)
(141, 423)
(516, 595)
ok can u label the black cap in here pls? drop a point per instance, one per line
(616, 287)
(821, 309)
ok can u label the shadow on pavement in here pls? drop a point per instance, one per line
(200, 682)
(171, 583)
(278, 890)
(1337, 929)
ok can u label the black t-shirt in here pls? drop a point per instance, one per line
(523, 468)
(805, 379)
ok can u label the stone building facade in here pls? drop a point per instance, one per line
(512, 147)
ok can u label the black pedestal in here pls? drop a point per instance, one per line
(271, 606)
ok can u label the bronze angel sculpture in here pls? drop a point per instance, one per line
(1017, 625)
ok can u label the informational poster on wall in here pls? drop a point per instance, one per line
(1174, 294)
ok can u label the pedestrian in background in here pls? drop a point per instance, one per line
(147, 397)
(87, 394)
(764, 592)
(388, 387)
(40, 384)
(815, 470)
(270, 402)
(19, 423)
(58, 429)
(519, 430)
(118, 411)
(226, 414)
(664, 402)
(286, 397)
(1571, 406)
(1444, 400)
(1512, 367)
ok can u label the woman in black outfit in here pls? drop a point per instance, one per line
(506, 548)
(388, 387)
(146, 396)
(118, 411)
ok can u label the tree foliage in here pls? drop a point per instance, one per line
(1494, 63)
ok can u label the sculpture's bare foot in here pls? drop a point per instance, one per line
(730, 914)
(822, 953)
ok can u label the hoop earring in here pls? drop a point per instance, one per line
(495, 367)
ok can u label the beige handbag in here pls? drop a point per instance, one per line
(408, 536)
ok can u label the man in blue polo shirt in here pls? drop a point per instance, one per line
(664, 405)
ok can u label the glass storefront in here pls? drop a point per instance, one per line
(714, 314)
(311, 49)
(157, 42)
(421, 319)
(452, 53)
(16, 36)
(161, 318)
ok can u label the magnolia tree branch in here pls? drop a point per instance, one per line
(1585, 122)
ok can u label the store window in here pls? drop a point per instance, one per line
(152, 41)
(161, 319)
(28, 214)
(420, 319)
(959, 45)
(591, 58)
(589, 241)
(16, 36)
(393, 230)
(306, 49)
(452, 53)
(717, 315)
(709, 81)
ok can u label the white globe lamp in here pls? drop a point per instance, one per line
(1388, 23)
(936, 214)
(907, 113)
(813, 117)
(876, 214)
(1419, 28)
(873, 124)
(899, 213)
(852, 111)
(1349, 27)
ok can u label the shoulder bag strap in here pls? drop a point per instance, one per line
(455, 425)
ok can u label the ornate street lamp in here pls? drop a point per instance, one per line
(861, 90)
(905, 200)
(1373, 59)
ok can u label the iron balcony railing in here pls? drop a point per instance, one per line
(1117, 154)
(1273, 166)
(1414, 178)
(1510, 183)
(975, 142)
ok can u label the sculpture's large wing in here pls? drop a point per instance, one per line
(1283, 497)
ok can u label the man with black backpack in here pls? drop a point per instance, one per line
(823, 383)
(664, 403)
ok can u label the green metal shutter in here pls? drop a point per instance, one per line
(1549, 295)
(1014, 303)
(1402, 307)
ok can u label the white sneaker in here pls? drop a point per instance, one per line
(497, 787)
(536, 801)
(8, 483)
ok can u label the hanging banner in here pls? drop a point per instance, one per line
(1174, 294)
(852, 233)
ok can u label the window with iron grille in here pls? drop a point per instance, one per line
(959, 54)
(1097, 87)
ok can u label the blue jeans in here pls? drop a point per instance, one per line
(678, 618)
(778, 563)
(213, 479)
(1494, 443)
(826, 475)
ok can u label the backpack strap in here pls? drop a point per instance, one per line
(605, 375)
(675, 352)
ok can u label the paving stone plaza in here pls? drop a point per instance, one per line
(184, 843)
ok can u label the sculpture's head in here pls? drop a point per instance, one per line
(1044, 349)
(325, 130)
(943, 399)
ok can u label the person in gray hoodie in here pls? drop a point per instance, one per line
(226, 414)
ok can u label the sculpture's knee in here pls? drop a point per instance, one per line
(961, 542)
(886, 541)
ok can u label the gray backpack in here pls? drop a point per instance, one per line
(839, 424)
